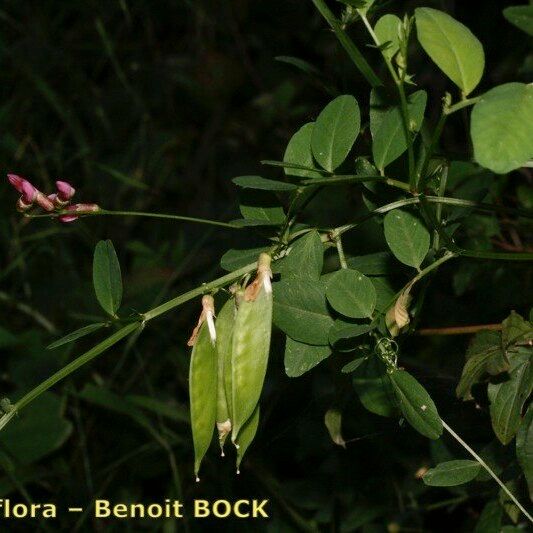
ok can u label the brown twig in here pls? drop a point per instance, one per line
(459, 330)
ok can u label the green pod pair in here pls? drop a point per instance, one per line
(202, 392)
(250, 349)
(224, 327)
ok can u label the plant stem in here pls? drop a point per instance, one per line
(479, 206)
(446, 257)
(438, 209)
(202, 289)
(462, 104)
(487, 468)
(340, 251)
(459, 330)
(107, 212)
(356, 178)
(355, 55)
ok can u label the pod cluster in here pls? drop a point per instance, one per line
(228, 366)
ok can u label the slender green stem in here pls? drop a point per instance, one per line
(462, 104)
(478, 206)
(355, 55)
(487, 468)
(106, 212)
(206, 287)
(424, 272)
(356, 178)
(340, 251)
(438, 209)
(504, 256)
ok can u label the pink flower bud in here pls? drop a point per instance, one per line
(58, 203)
(24, 187)
(29, 192)
(84, 208)
(78, 208)
(42, 201)
(65, 191)
(16, 181)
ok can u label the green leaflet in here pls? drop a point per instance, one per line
(300, 357)
(490, 520)
(407, 237)
(416, 404)
(300, 310)
(524, 448)
(305, 258)
(351, 293)
(507, 398)
(386, 125)
(485, 354)
(387, 32)
(39, 431)
(298, 152)
(521, 17)
(251, 345)
(77, 334)
(335, 131)
(372, 385)
(261, 207)
(258, 182)
(333, 422)
(452, 46)
(107, 279)
(452, 473)
(203, 394)
(224, 328)
(234, 259)
(247, 435)
(343, 336)
(502, 127)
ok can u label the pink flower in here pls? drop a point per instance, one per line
(78, 208)
(65, 191)
(24, 187)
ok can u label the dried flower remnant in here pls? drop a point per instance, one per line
(263, 279)
(208, 313)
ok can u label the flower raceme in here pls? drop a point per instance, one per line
(58, 201)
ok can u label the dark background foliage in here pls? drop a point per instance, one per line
(154, 106)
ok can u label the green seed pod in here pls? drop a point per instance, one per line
(224, 327)
(246, 436)
(203, 383)
(251, 345)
